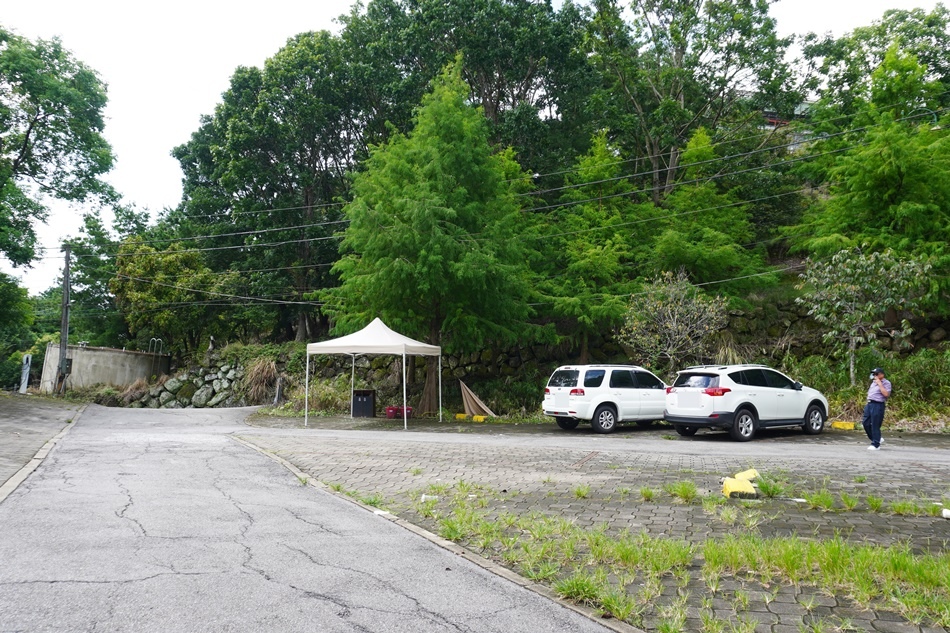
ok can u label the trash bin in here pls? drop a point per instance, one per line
(364, 403)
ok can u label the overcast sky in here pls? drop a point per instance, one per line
(167, 63)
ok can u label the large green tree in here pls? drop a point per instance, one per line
(265, 172)
(889, 191)
(432, 246)
(851, 292)
(170, 294)
(672, 66)
(51, 143)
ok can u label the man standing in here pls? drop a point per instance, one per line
(878, 393)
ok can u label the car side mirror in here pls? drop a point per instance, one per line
(797, 385)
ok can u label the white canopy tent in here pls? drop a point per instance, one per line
(375, 338)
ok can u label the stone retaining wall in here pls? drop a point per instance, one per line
(213, 386)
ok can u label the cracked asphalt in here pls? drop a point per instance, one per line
(157, 520)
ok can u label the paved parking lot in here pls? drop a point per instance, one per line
(536, 470)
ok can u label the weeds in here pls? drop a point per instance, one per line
(821, 500)
(647, 494)
(684, 491)
(582, 491)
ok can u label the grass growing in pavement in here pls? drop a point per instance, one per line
(684, 491)
(633, 576)
(624, 575)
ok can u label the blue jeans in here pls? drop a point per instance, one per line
(872, 420)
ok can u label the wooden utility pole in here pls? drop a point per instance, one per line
(64, 328)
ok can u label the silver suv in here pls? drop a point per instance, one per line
(606, 395)
(741, 399)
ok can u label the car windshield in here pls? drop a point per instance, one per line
(702, 381)
(564, 378)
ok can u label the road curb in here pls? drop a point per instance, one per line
(21, 475)
(455, 548)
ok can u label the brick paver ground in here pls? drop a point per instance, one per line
(26, 424)
(552, 480)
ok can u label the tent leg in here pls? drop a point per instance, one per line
(352, 384)
(440, 387)
(405, 416)
(306, 394)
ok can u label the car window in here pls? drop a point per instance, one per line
(622, 379)
(777, 380)
(739, 378)
(564, 378)
(594, 377)
(646, 380)
(702, 381)
(754, 378)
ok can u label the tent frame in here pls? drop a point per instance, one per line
(370, 352)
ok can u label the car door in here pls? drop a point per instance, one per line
(790, 402)
(758, 393)
(652, 395)
(623, 390)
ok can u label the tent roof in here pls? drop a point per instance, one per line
(375, 338)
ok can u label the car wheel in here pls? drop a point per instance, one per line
(566, 423)
(605, 419)
(644, 423)
(743, 428)
(814, 420)
(685, 431)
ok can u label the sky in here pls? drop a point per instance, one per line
(166, 64)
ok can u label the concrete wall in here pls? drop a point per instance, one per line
(101, 366)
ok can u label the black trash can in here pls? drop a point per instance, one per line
(364, 403)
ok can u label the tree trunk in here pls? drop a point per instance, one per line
(851, 354)
(429, 402)
(585, 350)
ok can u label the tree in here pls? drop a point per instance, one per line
(678, 65)
(432, 245)
(50, 137)
(851, 292)
(590, 241)
(94, 317)
(840, 67)
(170, 294)
(16, 316)
(269, 167)
(671, 321)
(523, 61)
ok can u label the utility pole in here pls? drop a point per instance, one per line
(64, 328)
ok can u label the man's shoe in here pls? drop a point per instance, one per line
(872, 447)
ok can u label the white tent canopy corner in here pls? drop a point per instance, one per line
(374, 339)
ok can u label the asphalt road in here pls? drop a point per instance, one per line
(148, 520)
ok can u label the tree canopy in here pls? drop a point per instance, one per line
(51, 143)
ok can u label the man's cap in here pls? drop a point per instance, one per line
(877, 370)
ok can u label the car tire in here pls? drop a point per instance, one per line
(743, 427)
(685, 431)
(567, 423)
(644, 423)
(605, 419)
(814, 420)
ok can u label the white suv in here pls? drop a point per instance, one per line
(603, 394)
(741, 399)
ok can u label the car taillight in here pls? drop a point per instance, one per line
(716, 391)
(547, 391)
(577, 392)
(669, 389)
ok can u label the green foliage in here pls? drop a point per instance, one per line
(432, 242)
(671, 322)
(51, 120)
(591, 242)
(164, 294)
(850, 293)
